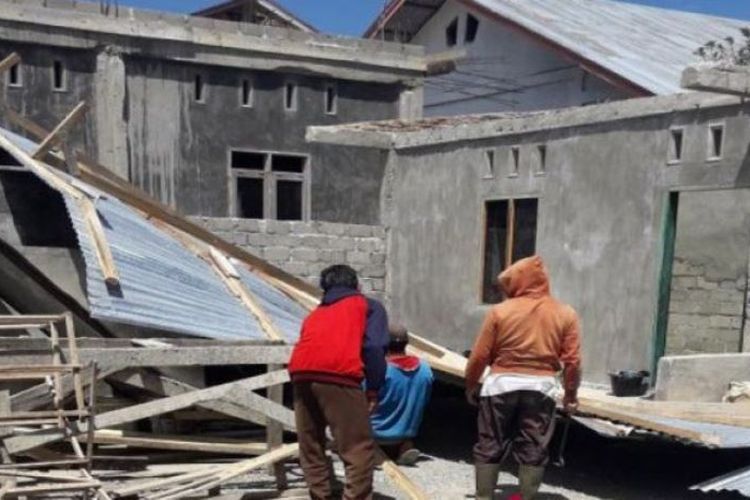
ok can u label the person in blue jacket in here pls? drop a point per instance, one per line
(401, 400)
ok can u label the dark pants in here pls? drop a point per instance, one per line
(394, 449)
(344, 410)
(520, 421)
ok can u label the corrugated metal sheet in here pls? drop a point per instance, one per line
(729, 436)
(738, 481)
(163, 285)
(645, 45)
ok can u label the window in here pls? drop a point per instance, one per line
(451, 33)
(715, 141)
(515, 160)
(290, 97)
(510, 235)
(268, 185)
(246, 93)
(541, 154)
(676, 138)
(14, 76)
(489, 164)
(472, 26)
(58, 76)
(198, 89)
(331, 97)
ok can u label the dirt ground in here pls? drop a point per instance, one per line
(596, 467)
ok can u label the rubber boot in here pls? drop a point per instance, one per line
(486, 480)
(529, 480)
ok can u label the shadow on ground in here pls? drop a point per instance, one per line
(618, 469)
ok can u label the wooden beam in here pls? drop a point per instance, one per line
(99, 238)
(9, 62)
(58, 133)
(204, 444)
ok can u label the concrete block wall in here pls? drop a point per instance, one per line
(705, 313)
(306, 248)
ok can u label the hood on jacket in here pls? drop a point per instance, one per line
(525, 278)
(337, 293)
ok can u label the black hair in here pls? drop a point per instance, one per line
(338, 275)
(398, 338)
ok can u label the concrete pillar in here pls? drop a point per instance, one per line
(109, 106)
(410, 104)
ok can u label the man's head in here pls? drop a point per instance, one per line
(398, 339)
(339, 275)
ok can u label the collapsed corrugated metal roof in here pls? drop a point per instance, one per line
(163, 284)
(738, 481)
(644, 45)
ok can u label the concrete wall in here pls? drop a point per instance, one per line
(601, 208)
(503, 70)
(700, 377)
(709, 282)
(306, 248)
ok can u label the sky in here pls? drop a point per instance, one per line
(352, 17)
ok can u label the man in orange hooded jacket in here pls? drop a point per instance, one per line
(525, 340)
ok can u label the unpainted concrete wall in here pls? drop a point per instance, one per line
(601, 205)
(700, 377)
(306, 248)
(709, 282)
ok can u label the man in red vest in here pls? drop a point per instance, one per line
(343, 342)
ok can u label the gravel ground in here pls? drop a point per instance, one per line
(597, 467)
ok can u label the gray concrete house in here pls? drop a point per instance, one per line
(641, 209)
(209, 115)
(265, 12)
(542, 54)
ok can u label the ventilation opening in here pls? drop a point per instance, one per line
(676, 137)
(290, 97)
(331, 100)
(716, 139)
(249, 198)
(542, 159)
(246, 94)
(288, 163)
(14, 75)
(451, 33)
(58, 76)
(472, 27)
(248, 160)
(515, 160)
(198, 89)
(489, 163)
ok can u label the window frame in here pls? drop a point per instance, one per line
(270, 178)
(511, 216)
(542, 154)
(452, 37)
(475, 31)
(198, 78)
(489, 169)
(514, 160)
(711, 157)
(63, 76)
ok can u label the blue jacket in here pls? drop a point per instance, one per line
(402, 399)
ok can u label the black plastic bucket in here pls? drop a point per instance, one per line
(629, 383)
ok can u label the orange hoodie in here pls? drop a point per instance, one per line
(530, 332)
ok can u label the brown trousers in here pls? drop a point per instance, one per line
(344, 410)
(522, 422)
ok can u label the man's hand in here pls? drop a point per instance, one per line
(570, 403)
(472, 396)
(372, 401)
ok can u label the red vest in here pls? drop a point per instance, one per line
(330, 343)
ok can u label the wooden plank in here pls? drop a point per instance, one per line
(98, 236)
(127, 357)
(204, 444)
(240, 391)
(42, 319)
(9, 62)
(51, 488)
(58, 133)
(402, 481)
(41, 395)
(275, 433)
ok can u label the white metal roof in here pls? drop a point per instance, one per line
(647, 46)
